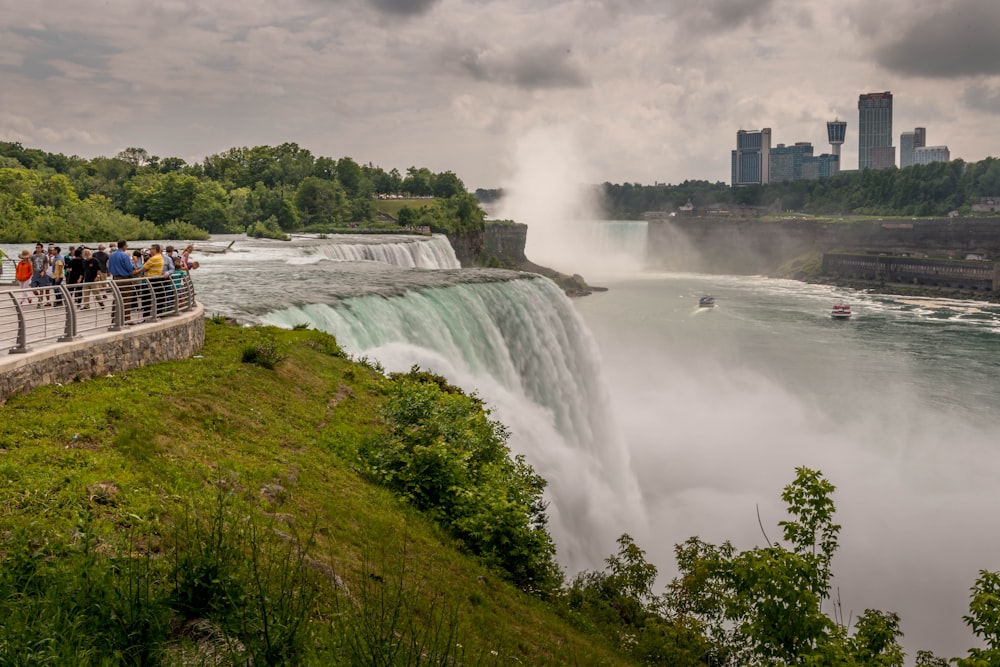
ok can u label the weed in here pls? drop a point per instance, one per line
(265, 353)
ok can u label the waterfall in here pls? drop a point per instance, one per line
(425, 253)
(521, 345)
(401, 250)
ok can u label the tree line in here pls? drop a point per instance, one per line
(934, 189)
(263, 191)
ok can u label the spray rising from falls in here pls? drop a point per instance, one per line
(521, 345)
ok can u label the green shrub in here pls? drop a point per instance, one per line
(445, 456)
(265, 353)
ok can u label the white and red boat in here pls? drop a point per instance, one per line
(841, 311)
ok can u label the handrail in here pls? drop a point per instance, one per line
(63, 313)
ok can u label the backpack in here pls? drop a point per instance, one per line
(23, 270)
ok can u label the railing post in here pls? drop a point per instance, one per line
(117, 306)
(22, 327)
(70, 331)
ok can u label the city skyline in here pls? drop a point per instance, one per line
(635, 91)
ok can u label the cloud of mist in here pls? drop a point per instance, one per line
(551, 192)
(716, 423)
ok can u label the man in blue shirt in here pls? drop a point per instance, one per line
(121, 269)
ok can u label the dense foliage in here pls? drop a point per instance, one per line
(443, 454)
(263, 191)
(933, 189)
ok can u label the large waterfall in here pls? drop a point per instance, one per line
(523, 348)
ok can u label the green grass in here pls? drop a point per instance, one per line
(111, 489)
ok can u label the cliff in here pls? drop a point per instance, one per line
(501, 245)
(761, 246)
(793, 248)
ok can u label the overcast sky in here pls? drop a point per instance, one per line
(627, 90)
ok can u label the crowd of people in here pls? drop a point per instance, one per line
(83, 271)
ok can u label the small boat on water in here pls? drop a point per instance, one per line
(706, 302)
(841, 311)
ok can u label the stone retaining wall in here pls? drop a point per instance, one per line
(963, 275)
(108, 353)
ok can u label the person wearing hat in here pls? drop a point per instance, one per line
(23, 273)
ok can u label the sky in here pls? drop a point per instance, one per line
(639, 91)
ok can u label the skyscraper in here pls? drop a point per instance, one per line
(875, 131)
(751, 161)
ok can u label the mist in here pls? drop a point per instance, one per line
(715, 431)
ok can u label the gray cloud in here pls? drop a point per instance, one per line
(982, 98)
(719, 15)
(404, 7)
(531, 68)
(958, 39)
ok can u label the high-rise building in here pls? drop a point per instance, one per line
(928, 154)
(786, 161)
(908, 142)
(836, 132)
(875, 131)
(751, 160)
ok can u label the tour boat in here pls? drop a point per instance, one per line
(841, 311)
(706, 302)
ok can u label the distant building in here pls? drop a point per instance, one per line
(883, 157)
(875, 131)
(836, 133)
(751, 159)
(797, 162)
(820, 166)
(928, 154)
(786, 161)
(908, 142)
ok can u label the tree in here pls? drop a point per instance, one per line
(763, 605)
(984, 619)
(321, 201)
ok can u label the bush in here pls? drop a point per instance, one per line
(265, 353)
(445, 456)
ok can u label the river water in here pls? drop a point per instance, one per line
(652, 416)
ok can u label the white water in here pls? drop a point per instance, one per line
(522, 347)
(425, 252)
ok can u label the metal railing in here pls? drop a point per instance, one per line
(62, 313)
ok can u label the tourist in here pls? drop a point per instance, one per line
(91, 270)
(189, 264)
(74, 275)
(153, 270)
(39, 263)
(23, 274)
(58, 273)
(102, 257)
(121, 269)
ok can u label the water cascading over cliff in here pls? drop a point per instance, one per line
(523, 348)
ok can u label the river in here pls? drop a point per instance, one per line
(652, 416)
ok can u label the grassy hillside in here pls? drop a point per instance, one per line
(206, 512)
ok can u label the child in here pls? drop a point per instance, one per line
(23, 273)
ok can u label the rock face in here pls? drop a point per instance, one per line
(469, 248)
(501, 245)
(761, 246)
